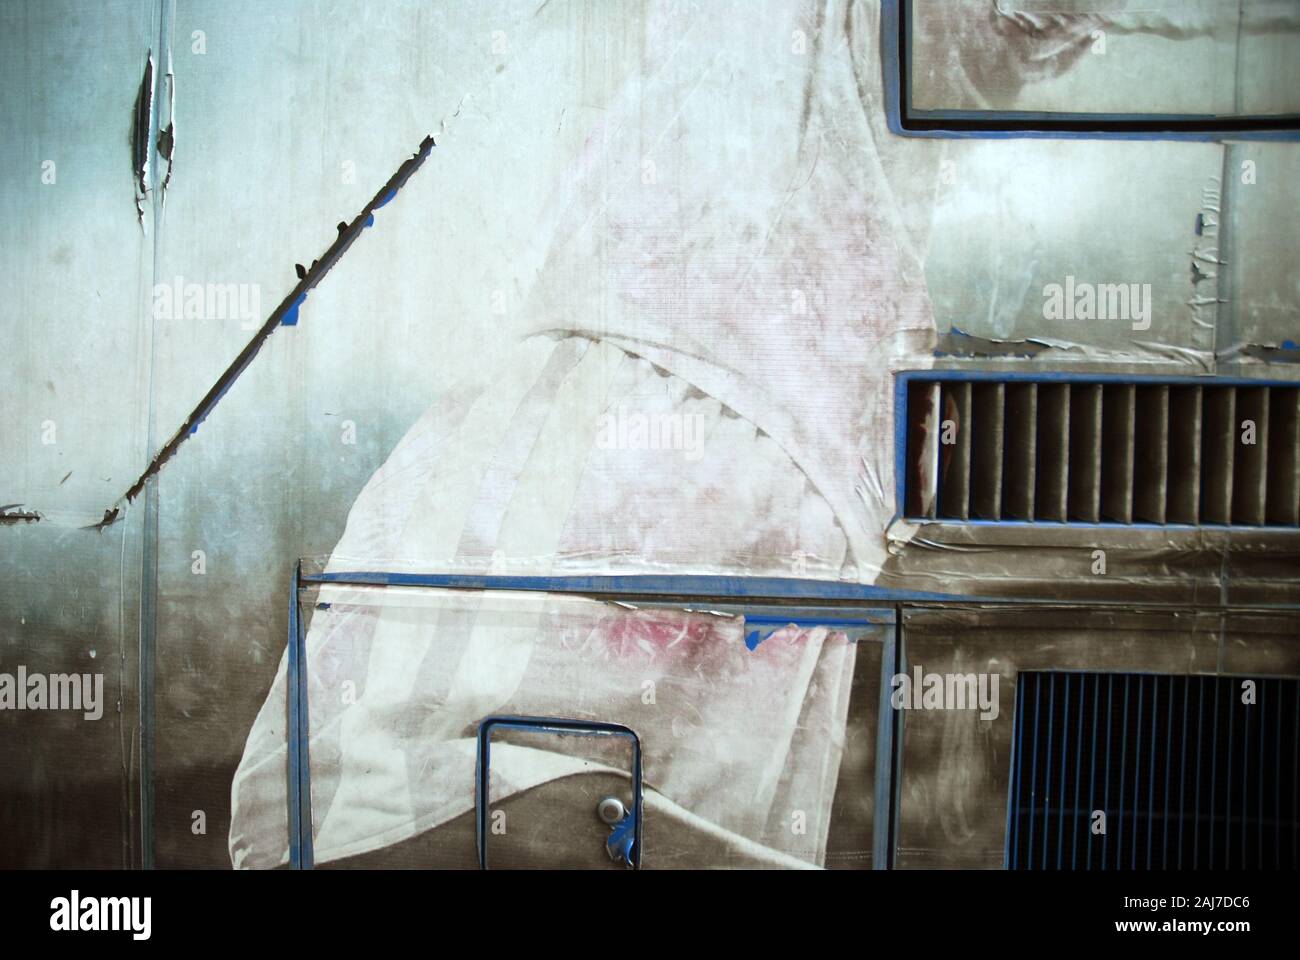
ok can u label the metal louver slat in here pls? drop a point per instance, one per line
(923, 449)
(1250, 468)
(1218, 414)
(1283, 504)
(1020, 441)
(1117, 410)
(1151, 453)
(954, 452)
(1085, 452)
(987, 400)
(1051, 494)
(1183, 502)
(954, 457)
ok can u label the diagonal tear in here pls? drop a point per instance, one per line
(286, 313)
(140, 127)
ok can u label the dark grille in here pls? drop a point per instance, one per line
(1188, 776)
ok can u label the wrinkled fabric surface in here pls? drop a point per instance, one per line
(728, 246)
(741, 739)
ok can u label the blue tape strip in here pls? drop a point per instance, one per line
(766, 626)
(290, 318)
(621, 844)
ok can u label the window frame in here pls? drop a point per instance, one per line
(902, 120)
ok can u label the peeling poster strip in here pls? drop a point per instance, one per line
(9, 514)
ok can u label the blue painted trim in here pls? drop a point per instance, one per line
(900, 726)
(902, 382)
(301, 853)
(1151, 773)
(1013, 786)
(1047, 770)
(1078, 774)
(881, 852)
(1105, 806)
(1065, 753)
(1182, 770)
(809, 619)
(893, 61)
(812, 620)
(1118, 820)
(306, 824)
(557, 725)
(1033, 769)
(1227, 793)
(1207, 380)
(291, 693)
(1092, 774)
(738, 588)
(1060, 671)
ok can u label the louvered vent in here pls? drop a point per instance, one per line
(1102, 452)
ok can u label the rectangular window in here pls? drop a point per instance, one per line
(1167, 68)
(1135, 771)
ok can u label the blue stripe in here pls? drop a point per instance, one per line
(1200, 724)
(1182, 776)
(1047, 769)
(1092, 778)
(1245, 778)
(1078, 775)
(1123, 770)
(881, 854)
(1014, 805)
(306, 824)
(1137, 774)
(295, 784)
(1065, 753)
(1033, 770)
(1151, 800)
(1110, 715)
(1214, 771)
(1227, 780)
(905, 377)
(738, 588)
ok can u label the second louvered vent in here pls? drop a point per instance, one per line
(1108, 451)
